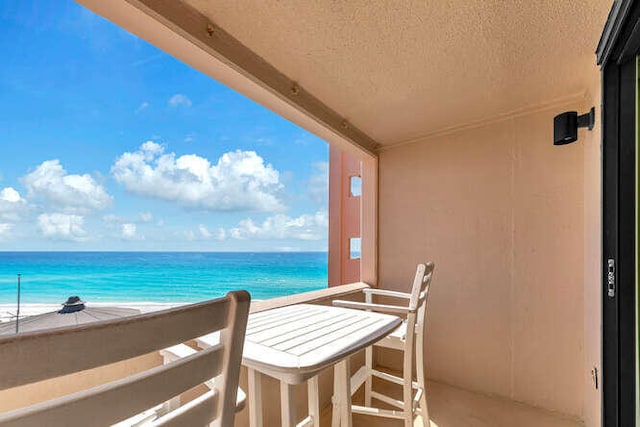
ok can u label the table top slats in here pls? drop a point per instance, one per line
(294, 331)
(290, 324)
(337, 328)
(330, 337)
(342, 344)
(267, 319)
(296, 342)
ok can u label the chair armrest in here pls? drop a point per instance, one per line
(387, 293)
(376, 307)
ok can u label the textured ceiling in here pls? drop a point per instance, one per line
(400, 70)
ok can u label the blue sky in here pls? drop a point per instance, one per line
(108, 143)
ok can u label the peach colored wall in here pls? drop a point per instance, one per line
(593, 254)
(500, 211)
(29, 394)
(344, 217)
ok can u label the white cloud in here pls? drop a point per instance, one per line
(5, 230)
(319, 183)
(141, 107)
(217, 234)
(62, 226)
(72, 193)
(287, 249)
(111, 219)
(129, 232)
(146, 216)
(239, 180)
(220, 234)
(126, 228)
(151, 149)
(280, 227)
(11, 204)
(204, 232)
(10, 195)
(179, 100)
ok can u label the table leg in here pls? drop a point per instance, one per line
(287, 405)
(255, 398)
(313, 398)
(343, 379)
(335, 400)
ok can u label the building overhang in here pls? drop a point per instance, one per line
(368, 76)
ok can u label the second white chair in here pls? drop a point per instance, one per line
(409, 338)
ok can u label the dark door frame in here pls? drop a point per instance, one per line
(617, 52)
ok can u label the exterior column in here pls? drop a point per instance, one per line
(344, 217)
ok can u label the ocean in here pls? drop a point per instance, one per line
(160, 277)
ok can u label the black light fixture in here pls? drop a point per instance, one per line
(565, 125)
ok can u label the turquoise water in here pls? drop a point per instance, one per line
(50, 277)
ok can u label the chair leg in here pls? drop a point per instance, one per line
(368, 298)
(407, 390)
(424, 410)
(368, 381)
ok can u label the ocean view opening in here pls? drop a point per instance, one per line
(129, 177)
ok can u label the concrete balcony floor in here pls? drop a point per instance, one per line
(453, 407)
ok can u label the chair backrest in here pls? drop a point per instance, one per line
(36, 356)
(420, 290)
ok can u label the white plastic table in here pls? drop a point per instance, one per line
(294, 344)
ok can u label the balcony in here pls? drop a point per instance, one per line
(448, 112)
(448, 405)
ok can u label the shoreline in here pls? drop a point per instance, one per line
(7, 311)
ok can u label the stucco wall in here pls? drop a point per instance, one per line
(500, 211)
(30, 394)
(593, 254)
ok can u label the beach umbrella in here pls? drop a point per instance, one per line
(73, 312)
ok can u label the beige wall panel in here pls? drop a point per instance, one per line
(593, 254)
(547, 309)
(30, 394)
(445, 201)
(500, 211)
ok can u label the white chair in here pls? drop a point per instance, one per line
(409, 338)
(36, 356)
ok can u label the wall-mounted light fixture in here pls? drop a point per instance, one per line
(565, 125)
